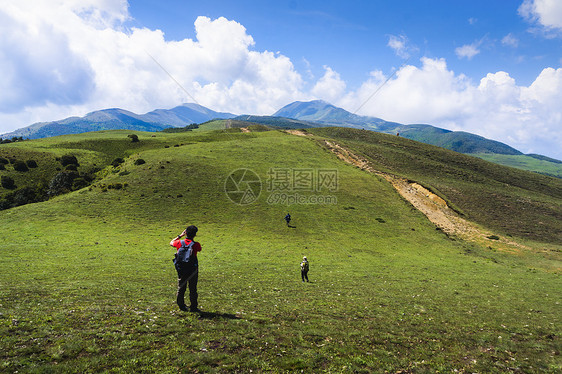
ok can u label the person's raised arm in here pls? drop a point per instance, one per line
(177, 237)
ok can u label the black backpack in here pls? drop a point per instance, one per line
(184, 257)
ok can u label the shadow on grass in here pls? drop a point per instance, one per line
(293, 227)
(214, 315)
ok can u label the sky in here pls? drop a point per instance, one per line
(489, 67)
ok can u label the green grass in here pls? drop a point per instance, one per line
(525, 162)
(87, 283)
(508, 200)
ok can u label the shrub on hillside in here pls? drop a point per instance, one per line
(118, 161)
(69, 160)
(2, 167)
(4, 161)
(116, 186)
(61, 183)
(71, 167)
(20, 166)
(26, 195)
(7, 182)
(134, 138)
(31, 163)
(140, 161)
(79, 183)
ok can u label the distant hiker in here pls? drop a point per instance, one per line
(397, 134)
(304, 269)
(187, 267)
(288, 218)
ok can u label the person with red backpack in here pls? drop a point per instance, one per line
(187, 267)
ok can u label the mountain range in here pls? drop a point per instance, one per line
(326, 114)
(298, 114)
(120, 119)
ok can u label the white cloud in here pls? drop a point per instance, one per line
(330, 87)
(398, 44)
(527, 118)
(401, 46)
(510, 41)
(547, 13)
(467, 51)
(68, 57)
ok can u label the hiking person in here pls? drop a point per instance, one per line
(187, 267)
(304, 269)
(288, 218)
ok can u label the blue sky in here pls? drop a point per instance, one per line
(352, 36)
(488, 67)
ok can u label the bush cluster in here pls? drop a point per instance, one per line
(69, 160)
(17, 164)
(64, 181)
(118, 161)
(20, 166)
(7, 182)
(12, 140)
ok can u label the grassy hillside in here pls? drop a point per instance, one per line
(87, 283)
(511, 201)
(539, 164)
(458, 141)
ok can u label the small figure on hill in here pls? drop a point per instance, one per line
(187, 267)
(288, 219)
(304, 269)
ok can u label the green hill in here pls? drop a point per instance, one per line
(536, 163)
(87, 282)
(458, 141)
(512, 201)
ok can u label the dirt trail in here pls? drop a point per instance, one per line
(431, 205)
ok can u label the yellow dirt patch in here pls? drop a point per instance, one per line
(297, 132)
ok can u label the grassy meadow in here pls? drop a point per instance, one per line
(87, 284)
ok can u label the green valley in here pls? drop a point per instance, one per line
(87, 283)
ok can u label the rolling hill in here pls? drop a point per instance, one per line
(88, 285)
(315, 113)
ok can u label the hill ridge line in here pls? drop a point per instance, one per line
(431, 205)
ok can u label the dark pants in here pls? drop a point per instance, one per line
(188, 277)
(304, 275)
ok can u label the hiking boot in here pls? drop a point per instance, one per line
(183, 308)
(195, 310)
